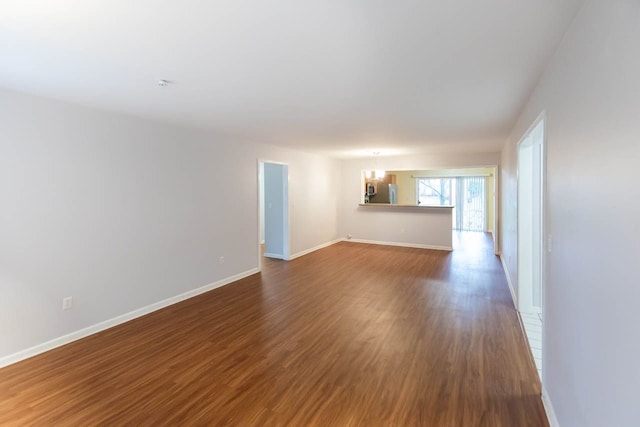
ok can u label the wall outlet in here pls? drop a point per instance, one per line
(221, 260)
(349, 236)
(67, 303)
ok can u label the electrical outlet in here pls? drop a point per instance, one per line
(67, 303)
(349, 236)
(549, 242)
(221, 260)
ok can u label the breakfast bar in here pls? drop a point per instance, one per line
(421, 226)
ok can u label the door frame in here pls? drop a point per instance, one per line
(286, 238)
(525, 301)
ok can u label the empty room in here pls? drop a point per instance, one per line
(327, 213)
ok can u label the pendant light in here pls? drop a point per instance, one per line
(377, 173)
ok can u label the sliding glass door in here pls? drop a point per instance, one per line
(471, 205)
(466, 193)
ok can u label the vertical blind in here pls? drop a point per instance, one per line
(466, 193)
(470, 210)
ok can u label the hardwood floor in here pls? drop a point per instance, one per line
(349, 335)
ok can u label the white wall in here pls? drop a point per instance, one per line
(591, 94)
(375, 224)
(314, 196)
(120, 213)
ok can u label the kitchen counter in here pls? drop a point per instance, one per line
(388, 205)
(415, 226)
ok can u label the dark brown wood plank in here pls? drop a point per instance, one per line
(349, 335)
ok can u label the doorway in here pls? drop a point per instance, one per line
(273, 210)
(531, 263)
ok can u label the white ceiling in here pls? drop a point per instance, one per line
(345, 77)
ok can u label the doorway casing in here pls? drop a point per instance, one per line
(273, 210)
(530, 214)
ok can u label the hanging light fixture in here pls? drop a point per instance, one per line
(377, 173)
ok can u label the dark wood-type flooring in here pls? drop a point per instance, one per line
(349, 335)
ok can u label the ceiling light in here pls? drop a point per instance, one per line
(377, 172)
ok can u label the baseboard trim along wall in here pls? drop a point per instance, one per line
(276, 256)
(511, 289)
(546, 402)
(315, 248)
(406, 245)
(98, 327)
(548, 407)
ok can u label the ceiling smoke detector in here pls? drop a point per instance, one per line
(163, 82)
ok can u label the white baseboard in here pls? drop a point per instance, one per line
(506, 273)
(270, 255)
(406, 245)
(548, 407)
(98, 327)
(315, 248)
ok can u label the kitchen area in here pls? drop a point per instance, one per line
(383, 190)
(422, 207)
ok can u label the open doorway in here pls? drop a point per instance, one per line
(531, 268)
(273, 210)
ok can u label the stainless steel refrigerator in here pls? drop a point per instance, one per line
(386, 193)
